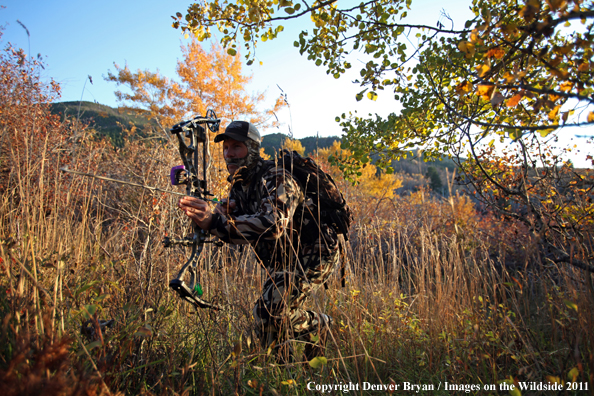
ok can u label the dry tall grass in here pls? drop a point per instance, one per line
(435, 292)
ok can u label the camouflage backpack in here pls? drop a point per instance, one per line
(321, 188)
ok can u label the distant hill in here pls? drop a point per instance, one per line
(104, 119)
(410, 165)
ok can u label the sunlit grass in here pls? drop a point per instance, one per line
(434, 291)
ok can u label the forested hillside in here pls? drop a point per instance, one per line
(112, 123)
(106, 120)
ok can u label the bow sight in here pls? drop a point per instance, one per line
(194, 133)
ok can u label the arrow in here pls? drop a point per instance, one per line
(132, 184)
(120, 181)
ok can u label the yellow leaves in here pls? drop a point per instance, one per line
(562, 74)
(553, 379)
(591, 116)
(293, 145)
(554, 114)
(509, 78)
(372, 95)
(253, 384)
(566, 49)
(482, 70)
(566, 86)
(318, 20)
(496, 53)
(467, 48)
(199, 72)
(318, 362)
(509, 28)
(514, 75)
(555, 5)
(463, 88)
(555, 61)
(515, 134)
(554, 98)
(584, 67)
(573, 374)
(571, 304)
(263, 154)
(236, 350)
(546, 132)
(335, 151)
(289, 383)
(382, 185)
(514, 100)
(485, 91)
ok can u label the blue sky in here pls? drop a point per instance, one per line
(78, 39)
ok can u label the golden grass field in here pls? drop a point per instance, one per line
(437, 291)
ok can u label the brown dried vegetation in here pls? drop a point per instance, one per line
(436, 289)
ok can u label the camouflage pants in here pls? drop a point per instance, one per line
(278, 313)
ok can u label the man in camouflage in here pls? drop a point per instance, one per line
(267, 209)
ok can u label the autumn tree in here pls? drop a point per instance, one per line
(207, 80)
(293, 145)
(371, 181)
(34, 141)
(516, 73)
(509, 52)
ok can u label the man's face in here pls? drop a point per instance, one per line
(234, 150)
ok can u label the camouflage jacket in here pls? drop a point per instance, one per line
(270, 215)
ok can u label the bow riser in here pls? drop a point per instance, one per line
(196, 187)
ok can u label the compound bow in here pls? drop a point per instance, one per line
(194, 132)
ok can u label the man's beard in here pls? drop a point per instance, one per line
(239, 162)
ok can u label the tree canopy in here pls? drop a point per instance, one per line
(516, 70)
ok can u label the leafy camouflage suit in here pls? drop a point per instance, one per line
(272, 216)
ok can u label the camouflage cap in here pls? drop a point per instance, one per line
(240, 131)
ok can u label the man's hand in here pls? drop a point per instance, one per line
(225, 207)
(197, 210)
